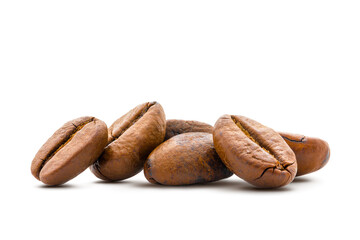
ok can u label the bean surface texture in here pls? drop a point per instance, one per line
(70, 150)
(254, 152)
(184, 159)
(177, 126)
(131, 139)
(311, 153)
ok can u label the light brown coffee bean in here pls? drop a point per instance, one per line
(311, 153)
(70, 150)
(184, 159)
(131, 139)
(176, 126)
(255, 153)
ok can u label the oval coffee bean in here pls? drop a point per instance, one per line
(311, 153)
(184, 159)
(254, 152)
(131, 139)
(175, 127)
(70, 150)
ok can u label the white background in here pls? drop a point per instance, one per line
(291, 65)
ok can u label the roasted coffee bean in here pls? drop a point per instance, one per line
(176, 126)
(70, 150)
(131, 139)
(311, 153)
(185, 159)
(255, 153)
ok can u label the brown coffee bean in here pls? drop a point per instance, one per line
(131, 139)
(311, 153)
(70, 150)
(175, 127)
(254, 152)
(185, 159)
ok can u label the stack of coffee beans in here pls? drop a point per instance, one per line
(177, 152)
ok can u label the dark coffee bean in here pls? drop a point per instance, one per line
(311, 153)
(175, 127)
(255, 153)
(70, 150)
(131, 139)
(185, 159)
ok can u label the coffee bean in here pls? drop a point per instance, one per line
(131, 139)
(254, 152)
(185, 159)
(176, 126)
(311, 153)
(70, 150)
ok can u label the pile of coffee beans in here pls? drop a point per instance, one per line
(177, 152)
